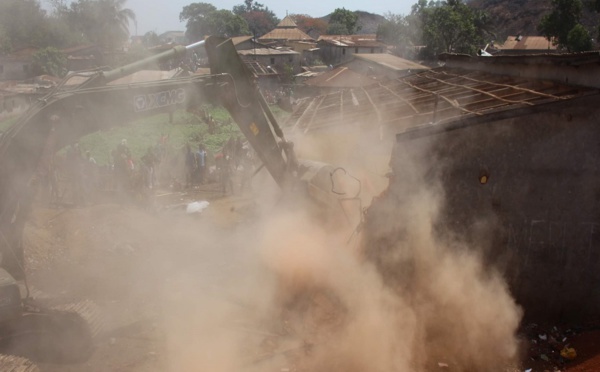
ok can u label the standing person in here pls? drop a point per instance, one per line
(190, 166)
(122, 168)
(238, 152)
(201, 164)
(247, 163)
(223, 163)
(148, 163)
(90, 173)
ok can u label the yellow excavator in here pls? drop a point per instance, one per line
(84, 103)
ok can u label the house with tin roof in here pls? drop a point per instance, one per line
(525, 45)
(336, 49)
(384, 65)
(17, 65)
(273, 58)
(246, 43)
(286, 31)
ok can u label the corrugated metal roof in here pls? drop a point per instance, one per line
(259, 69)
(365, 41)
(340, 77)
(23, 54)
(287, 22)
(286, 34)
(434, 96)
(266, 52)
(240, 39)
(390, 61)
(527, 43)
(349, 37)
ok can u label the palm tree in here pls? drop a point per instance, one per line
(115, 20)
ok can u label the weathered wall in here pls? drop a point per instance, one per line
(537, 218)
(568, 72)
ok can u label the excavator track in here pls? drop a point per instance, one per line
(55, 333)
(90, 312)
(11, 363)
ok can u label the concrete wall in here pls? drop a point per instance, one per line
(575, 74)
(375, 69)
(15, 69)
(334, 55)
(277, 61)
(536, 219)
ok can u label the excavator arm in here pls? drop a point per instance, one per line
(69, 113)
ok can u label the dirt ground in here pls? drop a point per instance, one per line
(121, 257)
(156, 273)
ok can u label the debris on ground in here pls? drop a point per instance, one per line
(197, 207)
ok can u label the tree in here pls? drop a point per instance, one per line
(260, 19)
(204, 19)
(226, 24)
(196, 16)
(342, 19)
(337, 29)
(562, 22)
(450, 27)
(17, 20)
(105, 22)
(116, 20)
(579, 39)
(49, 61)
(394, 30)
(150, 39)
(5, 41)
(310, 25)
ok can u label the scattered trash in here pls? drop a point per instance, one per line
(544, 357)
(196, 207)
(529, 370)
(568, 353)
(543, 337)
(443, 365)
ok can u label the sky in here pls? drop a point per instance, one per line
(163, 15)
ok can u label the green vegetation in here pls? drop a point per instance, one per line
(205, 19)
(343, 22)
(104, 22)
(440, 26)
(260, 18)
(185, 129)
(562, 25)
(5, 124)
(144, 133)
(49, 61)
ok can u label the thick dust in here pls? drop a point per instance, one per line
(304, 297)
(283, 291)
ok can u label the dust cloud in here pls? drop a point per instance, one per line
(296, 295)
(281, 290)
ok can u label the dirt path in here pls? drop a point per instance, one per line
(128, 260)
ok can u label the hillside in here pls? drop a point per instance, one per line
(514, 17)
(368, 22)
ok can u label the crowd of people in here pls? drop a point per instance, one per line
(75, 177)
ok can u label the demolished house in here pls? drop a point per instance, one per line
(512, 144)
